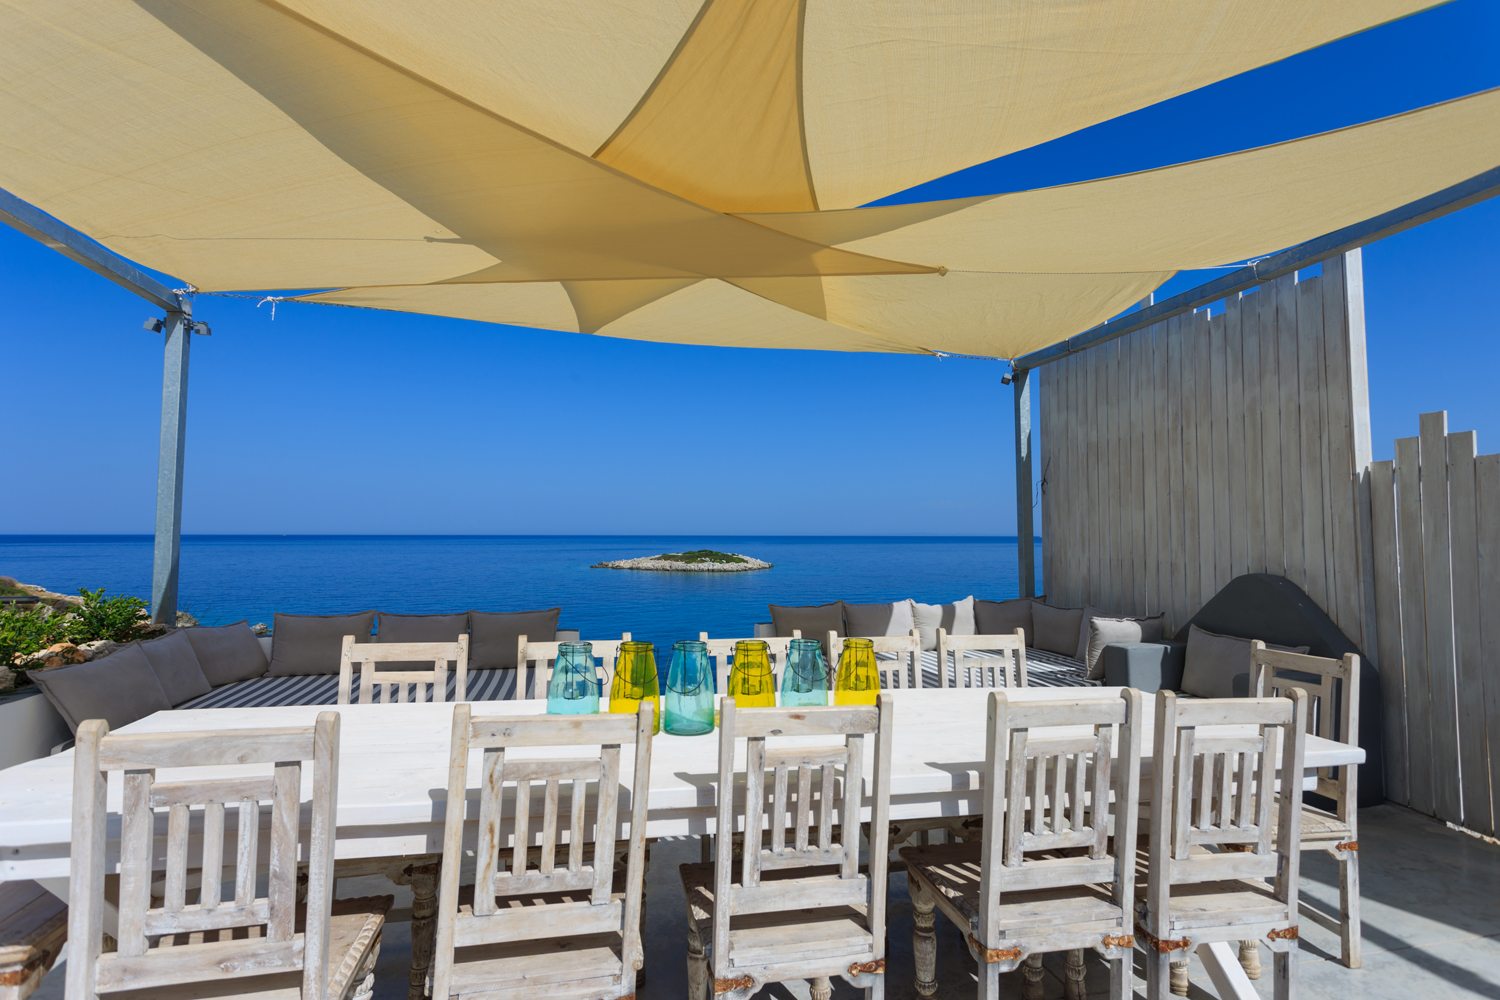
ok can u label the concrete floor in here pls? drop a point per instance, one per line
(1431, 927)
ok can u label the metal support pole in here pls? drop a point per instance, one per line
(177, 330)
(1025, 529)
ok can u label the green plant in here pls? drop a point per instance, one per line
(23, 631)
(120, 619)
(701, 556)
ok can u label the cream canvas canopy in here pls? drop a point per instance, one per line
(682, 170)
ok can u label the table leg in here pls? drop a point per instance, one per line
(423, 881)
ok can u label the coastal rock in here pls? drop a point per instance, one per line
(8, 678)
(261, 628)
(99, 647)
(699, 561)
(185, 620)
(59, 654)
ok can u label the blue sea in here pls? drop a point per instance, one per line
(227, 578)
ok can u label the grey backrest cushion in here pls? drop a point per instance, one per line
(1003, 617)
(815, 621)
(877, 619)
(957, 618)
(422, 628)
(119, 688)
(1060, 630)
(176, 665)
(493, 636)
(1213, 662)
(311, 644)
(227, 653)
(1111, 631)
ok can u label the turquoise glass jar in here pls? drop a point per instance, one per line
(689, 710)
(804, 679)
(573, 688)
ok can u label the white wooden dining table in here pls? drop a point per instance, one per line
(393, 774)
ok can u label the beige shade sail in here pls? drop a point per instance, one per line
(675, 170)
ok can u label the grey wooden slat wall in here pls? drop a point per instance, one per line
(1435, 514)
(1210, 445)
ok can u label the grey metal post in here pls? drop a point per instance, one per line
(177, 331)
(1025, 528)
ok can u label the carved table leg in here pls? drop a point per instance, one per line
(1250, 958)
(820, 989)
(924, 943)
(1031, 972)
(1076, 974)
(423, 881)
(1179, 979)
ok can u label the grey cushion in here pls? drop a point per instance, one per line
(1059, 630)
(176, 666)
(493, 635)
(1003, 617)
(1147, 666)
(422, 628)
(957, 618)
(877, 619)
(311, 644)
(815, 621)
(1109, 631)
(1215, 662)
(227, 653)
(119, 688)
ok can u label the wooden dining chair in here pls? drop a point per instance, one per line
(898, 658)
(983, 661)
(531, 923)
(1332, 688)
(186, 943)
(536, 660)
(1060, 777)
(1224, 855)
(33, 927)
(799, 906)
(405, 682)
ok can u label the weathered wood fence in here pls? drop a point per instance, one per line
(1210, 445)
(1435, 513)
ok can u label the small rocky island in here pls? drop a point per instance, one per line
(696, 561)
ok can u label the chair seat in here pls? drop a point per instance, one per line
(33, 927)
(353, 937)
(763, 938)
(1322, 829)
(1214, 904)
(555, 967)
(954, 870)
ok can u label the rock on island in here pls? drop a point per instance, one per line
(696, 561)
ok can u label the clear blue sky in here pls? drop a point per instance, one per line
(337, 420)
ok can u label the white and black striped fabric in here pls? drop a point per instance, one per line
(1043, 669)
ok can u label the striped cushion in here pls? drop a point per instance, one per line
(1043, 669)
(323, 689)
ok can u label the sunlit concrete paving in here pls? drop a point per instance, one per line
(1432, 927)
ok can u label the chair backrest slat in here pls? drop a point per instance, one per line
(199, 805)
(391, 686)
(1062, 777)
(788, 789)
(518, 864)
(983, 661)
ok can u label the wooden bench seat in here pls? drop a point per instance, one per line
(33, 927)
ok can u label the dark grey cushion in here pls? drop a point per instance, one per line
(1148, 666)
(119, 688)
(227, 653)
(176, 666)
(1107, 631)
(1218, 666)
(311, 644)
(815, 621)
(877, 619)
(1003, 617)
(1059, 630)
(422, 628)
(493, 635)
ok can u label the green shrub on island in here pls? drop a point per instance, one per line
(701, 556)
